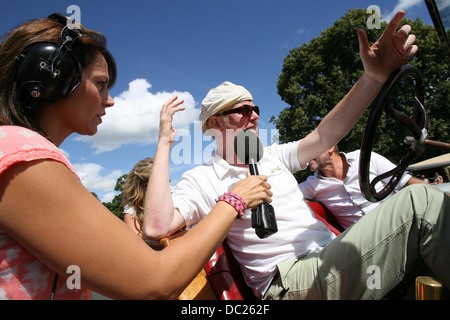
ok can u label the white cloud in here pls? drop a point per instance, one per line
(401, 5)
(92, 179)
(443, 4)
(135, 117)
(108, 197)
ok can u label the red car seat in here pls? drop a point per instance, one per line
(224, 272)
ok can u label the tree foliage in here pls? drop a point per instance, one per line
(116, 205)
(318, 74)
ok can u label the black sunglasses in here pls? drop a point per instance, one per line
(246, 111)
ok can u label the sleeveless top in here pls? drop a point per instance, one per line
(22, 275)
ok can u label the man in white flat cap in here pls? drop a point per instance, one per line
(304, 260)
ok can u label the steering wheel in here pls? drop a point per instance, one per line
(417, 126)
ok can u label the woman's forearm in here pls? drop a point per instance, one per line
(195, 248)
(158, 208)
(191, 252)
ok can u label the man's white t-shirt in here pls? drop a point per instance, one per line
(298, 233)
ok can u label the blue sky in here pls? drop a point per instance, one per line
(179, 47)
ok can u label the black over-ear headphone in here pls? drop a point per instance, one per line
(48, 71)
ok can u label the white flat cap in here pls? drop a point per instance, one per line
(219, 98)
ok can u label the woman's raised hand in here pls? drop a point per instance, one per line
(166, 130)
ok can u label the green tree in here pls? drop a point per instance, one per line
(116, 205)
(318, 74)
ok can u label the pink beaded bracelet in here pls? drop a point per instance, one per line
(235, 201)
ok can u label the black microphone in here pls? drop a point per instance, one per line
(249, 150)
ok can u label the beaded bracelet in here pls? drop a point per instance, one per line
(235, 201)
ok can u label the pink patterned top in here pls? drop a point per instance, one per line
(22, 275)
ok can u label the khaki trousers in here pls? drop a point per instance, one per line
(374, 255)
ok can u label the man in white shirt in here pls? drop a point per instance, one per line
(335, 183)
(300, 260)
(299, 232)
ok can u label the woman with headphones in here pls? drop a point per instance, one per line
(55, 81)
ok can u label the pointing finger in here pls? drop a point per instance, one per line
(394, 23)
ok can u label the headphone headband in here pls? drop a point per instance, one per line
(61, 18)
